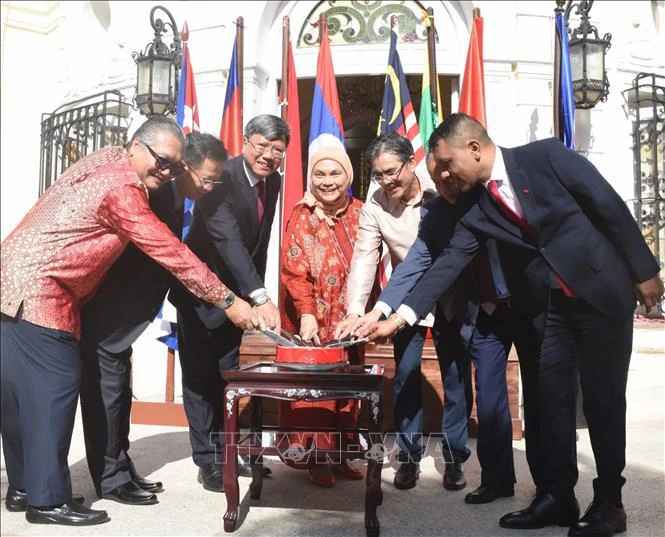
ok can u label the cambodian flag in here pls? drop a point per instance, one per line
(326, 126)
(231, 130)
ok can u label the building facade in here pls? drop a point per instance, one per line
(54, 53)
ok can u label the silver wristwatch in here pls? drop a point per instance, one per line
(227, 301)
(260, 300)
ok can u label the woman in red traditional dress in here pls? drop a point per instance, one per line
(316, 256)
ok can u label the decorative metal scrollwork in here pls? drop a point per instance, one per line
(646, 103)
(78, 128)
(353, 22)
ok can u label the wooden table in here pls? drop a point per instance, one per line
(268, 380)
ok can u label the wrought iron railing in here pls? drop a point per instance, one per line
(646, 104)
(78, 128)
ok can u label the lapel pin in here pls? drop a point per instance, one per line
(525, 190)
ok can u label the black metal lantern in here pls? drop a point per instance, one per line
(587, 58)
(157, 69)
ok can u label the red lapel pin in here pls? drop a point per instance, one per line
(525, 190)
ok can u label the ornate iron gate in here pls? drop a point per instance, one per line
(78, 128)
(646, 103)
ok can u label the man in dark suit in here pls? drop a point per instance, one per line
(127, 301)
(230, 232)
(583, 261)
(479, 311)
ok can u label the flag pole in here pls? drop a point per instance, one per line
(284, 104)
(240, 34)
(431, 52)
(556, 82)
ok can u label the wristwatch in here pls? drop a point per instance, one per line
(260, 300)
(227, 301)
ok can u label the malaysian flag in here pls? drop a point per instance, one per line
(397, 115)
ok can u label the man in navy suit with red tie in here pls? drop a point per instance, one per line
(583, 261)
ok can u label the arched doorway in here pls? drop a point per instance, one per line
(359, 46)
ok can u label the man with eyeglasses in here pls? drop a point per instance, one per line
(52, 263)
(230, 232)
(392, 215)
(125, 304)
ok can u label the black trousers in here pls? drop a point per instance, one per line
(204, 354)
(106, 404)
(41, 374)
(579, 338)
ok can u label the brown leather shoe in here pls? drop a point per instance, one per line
(321, 475)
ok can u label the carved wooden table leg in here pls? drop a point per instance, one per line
(374, 495)
(257, 461)
(231, 488)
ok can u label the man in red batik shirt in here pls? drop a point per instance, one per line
(53, 262)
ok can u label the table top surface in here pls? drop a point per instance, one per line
(334, 374)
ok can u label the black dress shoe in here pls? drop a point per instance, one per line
(150, 486)
(601, 518)
(487, 494)
(545, 510)
(211, 477)
(407, 475)
(17, 500)
(131, 494)
(453, 476)
(245, 467)
(68, 514)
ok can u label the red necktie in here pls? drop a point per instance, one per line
(493, 189)
(260, 199)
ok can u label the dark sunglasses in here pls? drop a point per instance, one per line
(163, 164)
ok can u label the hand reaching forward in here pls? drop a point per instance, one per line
(343, 328)
(242, 314)
(309, 329)
(268, 315)
(363, 322)
(382, 330)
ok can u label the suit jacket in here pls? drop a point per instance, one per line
(580, 228)
(132, 292)
(436, 229)
(226, 235)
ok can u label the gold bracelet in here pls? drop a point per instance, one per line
(400, 323)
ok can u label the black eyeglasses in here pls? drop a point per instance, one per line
(163, 164)
(211, 183)
(277, 152)
(388, 176)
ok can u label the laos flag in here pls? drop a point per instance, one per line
(326, 126)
